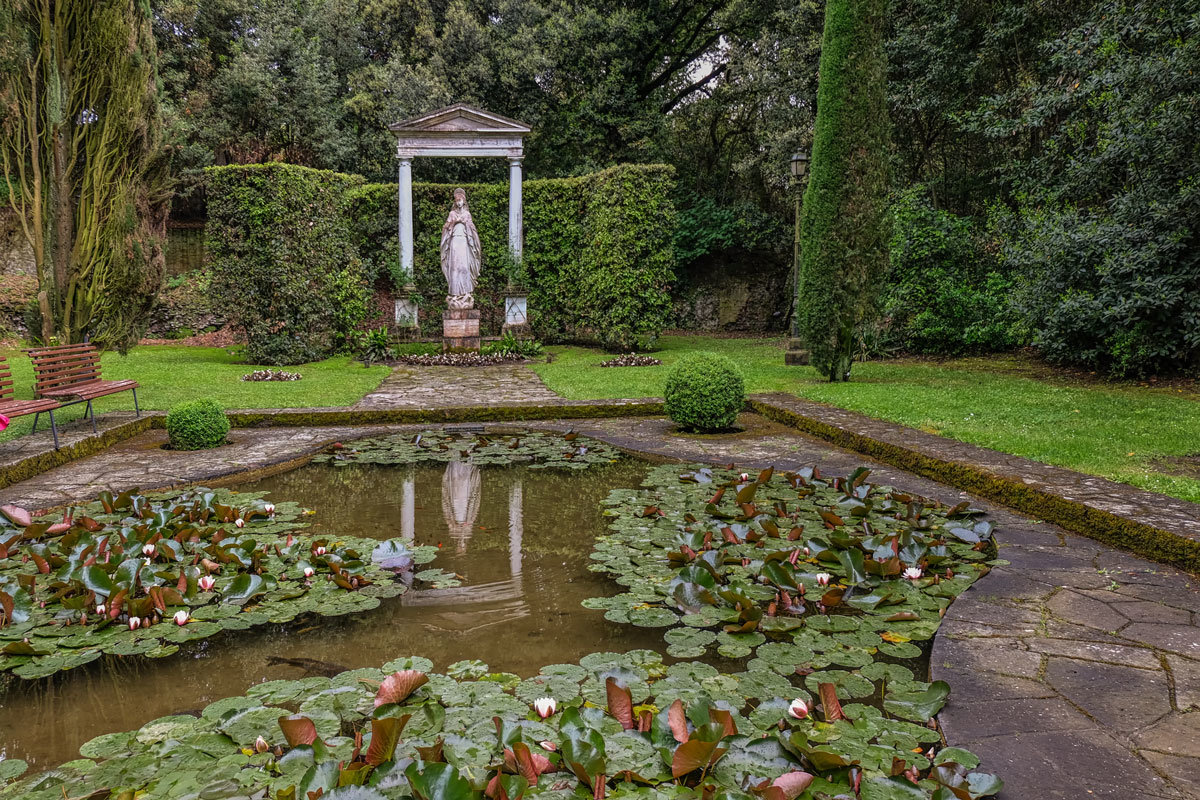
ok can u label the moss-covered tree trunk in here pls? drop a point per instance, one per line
(80, 145)
(843, 224)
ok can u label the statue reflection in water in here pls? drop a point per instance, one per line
(460, 501)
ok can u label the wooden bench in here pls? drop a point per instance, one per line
(10, 406)
(70, 374)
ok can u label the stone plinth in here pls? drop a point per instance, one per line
(460, 330)
(797, 354)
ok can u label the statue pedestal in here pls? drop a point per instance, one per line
(460, 330)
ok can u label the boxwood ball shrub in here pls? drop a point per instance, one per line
(705, 392)
(197, 425)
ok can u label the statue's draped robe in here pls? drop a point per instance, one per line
(461, 254)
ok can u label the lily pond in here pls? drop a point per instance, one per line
(452, 615)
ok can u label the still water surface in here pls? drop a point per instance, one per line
(519, 537)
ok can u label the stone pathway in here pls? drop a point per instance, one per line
(1075, 669)
(447, 387)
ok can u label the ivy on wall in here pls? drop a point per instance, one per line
(598, 253)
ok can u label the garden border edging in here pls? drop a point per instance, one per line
(877, 439)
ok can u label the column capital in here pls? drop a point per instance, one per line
(515, 161)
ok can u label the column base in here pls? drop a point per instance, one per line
(460, 331)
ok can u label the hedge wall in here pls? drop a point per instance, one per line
(295, 252)
(598, 255)
(282, 254)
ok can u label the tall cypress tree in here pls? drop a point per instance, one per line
(81, 148)
(843, 227)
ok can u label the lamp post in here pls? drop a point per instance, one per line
(796, 354)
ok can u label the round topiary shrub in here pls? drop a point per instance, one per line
(705, 392)
(196, 425)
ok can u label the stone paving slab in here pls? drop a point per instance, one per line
(439, 387)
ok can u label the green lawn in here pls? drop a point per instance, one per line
(1114, 430)
(169, 374)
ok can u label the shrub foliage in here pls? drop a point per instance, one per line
(197, 425)
(283, 260)
(843, 225)
(704, 392)
(294, 251)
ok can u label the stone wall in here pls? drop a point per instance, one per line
(16, 257)
(733, 291)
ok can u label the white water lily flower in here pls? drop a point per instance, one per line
(308, 572)
(912, 573)
(744, 477)
(241, 523)
(269, 508)
(320, 550)
(148, 549)
(134, 622)
(181, 617)
(100, 608)
(548, 746)
(823, 578)
(798, 709)
(545, 706)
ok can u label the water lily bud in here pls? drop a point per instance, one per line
(545, 706)
(798, 709)
(308, 572)
(181, 617)
(134, 622)
(802, 590)
(241, 523)
(290, 540)
(260, 745)
(207, 582)
(912, 573)
(548, 745)
(807, 552)
(823, 578)
(149, 550)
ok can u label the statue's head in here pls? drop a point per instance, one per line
(460, 198)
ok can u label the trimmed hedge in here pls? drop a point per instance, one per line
(704, 392)
(599, 255)
(283, 259)
(197, 425)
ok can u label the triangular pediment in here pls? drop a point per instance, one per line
(458, 119)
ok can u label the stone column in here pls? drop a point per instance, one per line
(515, 236)
(406, 218)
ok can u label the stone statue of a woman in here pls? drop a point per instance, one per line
(461, 254)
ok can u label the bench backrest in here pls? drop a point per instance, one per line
(6, 382)
(63, 366)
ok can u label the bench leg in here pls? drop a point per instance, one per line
(135, 403)
(92, 413)
(36, 417)
(53, 429)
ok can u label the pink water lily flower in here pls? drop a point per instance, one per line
(823, 578)
(545, 706)
(181, 617)
(798, 709)
(548, 746)
(207, 582)
(308, 572)
(134, 622)
(912, 573)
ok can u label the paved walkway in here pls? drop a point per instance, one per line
(447, 387)
(1075, 669)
